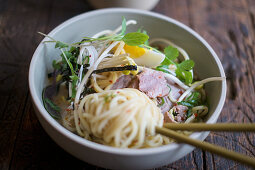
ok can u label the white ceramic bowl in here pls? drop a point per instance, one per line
(207, 65)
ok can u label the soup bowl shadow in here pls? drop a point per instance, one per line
(87, 24)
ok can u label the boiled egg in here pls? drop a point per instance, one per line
(144, 57)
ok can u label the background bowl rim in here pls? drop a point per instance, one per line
(103, 148)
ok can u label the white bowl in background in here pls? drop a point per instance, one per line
(87, 24)
(141, 4)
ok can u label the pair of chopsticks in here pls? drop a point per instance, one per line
(169, 130)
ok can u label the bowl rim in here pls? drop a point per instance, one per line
(103, 148)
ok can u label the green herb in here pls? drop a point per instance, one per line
(193, 100)
(149, 47)
(108, 98)
(52, 105)
(189, 113)
(74, 79)
(123, 26)
(60, 45)
(135, 38)
(51, 108)
(185, 104)
(171, 55)
(162, 102)
(67, 55)
(163, 68)
(182, 69)
(56, 65)
(132, 39)
(187, 65)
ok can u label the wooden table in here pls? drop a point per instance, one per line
(228, 26)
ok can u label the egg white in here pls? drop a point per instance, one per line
(150, 59)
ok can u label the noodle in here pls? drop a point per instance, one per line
(121, 118)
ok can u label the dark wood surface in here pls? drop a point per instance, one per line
(228, 26)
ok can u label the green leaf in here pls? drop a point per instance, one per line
(74, 77)
(56, 65)
(162, 102)
(189, 113)
(187, 65)
(171, 53)
(123, 25)
(51, 108)
(161, 68)
(185, 104)
(52, 105)
(146, 42)
(60, 45)
(193, 100)
(66, 55)
(135, 38)
(188, 77)
(179, 74)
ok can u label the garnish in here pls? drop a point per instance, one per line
(108, 98)
(162, 101)
(193, 100)
(128, 67)
(132, 39)
(51, 107)
(182, 69)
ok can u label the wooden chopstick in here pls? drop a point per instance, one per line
(207, 147)
(237, 127)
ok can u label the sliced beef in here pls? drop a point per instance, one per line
(166, 106)
(122, 82)
(179, 115)
(153, 83)
(134, 83)
(180, 112)
(168, 118)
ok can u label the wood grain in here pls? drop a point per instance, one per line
(228, 26)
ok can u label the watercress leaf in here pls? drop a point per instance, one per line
(74, 77)
(188, 77)
(51, 108)
(56, 65)
(189, 113)
(135, 38)
(146, 42)
(167, 61)
(187, 65)
(179, 74)
(60, 45)
(123, 26)
(185, 104)
(171, 53)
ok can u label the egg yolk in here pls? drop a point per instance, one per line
(134, 51)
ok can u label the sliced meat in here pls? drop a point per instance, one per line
(179, 115)
(134, 83)
(168, 118)
(122, 82)
(180, 112)
(176, 90)
(166, 106)
(153, 83)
